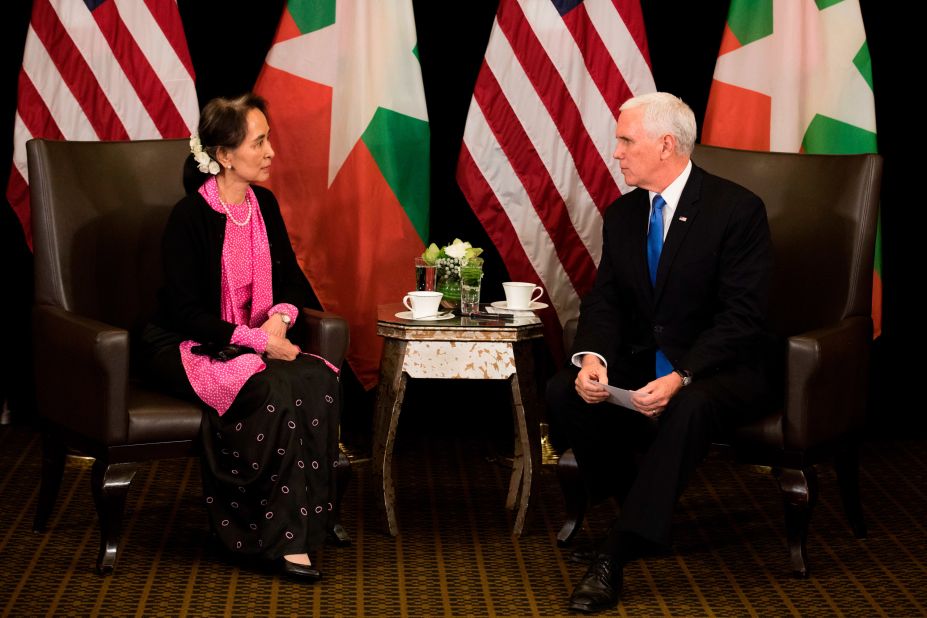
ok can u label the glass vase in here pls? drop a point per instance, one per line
(449, 285)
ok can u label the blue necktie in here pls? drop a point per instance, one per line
(654, 248)
(655, 237)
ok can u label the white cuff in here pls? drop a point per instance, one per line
(578, 358)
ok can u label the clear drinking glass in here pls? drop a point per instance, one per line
(470, 277)
(424, 275)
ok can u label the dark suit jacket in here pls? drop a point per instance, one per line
(707, 310)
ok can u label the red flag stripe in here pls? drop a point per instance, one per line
(142, 27)
(623, 44)
(556, 98)
(545, 137)
(61, 96)
(559, 80)
(566, 56)
(504, 237)
(58, 98)
(510, 194)
(630, 13)
(492, 215)
(76, 73)
(168, 19)
(602, 69)
(534, 177)
(151, 92)
(98, 54)
(33, 111)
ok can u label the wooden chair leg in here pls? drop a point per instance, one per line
(53, 458)
(799, 493)
(343, 477)
(574, 495)
(110, 484)
(846, 464)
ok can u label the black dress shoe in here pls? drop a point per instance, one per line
(305, 572)
(600, 587)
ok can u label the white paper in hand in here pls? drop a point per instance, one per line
(619, 396)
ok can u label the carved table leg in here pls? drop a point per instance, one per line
(389, 404)
(519, 452)
(526, 408)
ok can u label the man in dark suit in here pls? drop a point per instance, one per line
(677, 312)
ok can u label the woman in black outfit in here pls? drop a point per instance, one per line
(221, 335)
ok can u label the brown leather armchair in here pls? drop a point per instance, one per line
(822, 213)
(99, 210)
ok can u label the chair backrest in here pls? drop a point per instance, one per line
(98, 212)
(822, 213)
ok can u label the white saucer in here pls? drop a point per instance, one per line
(407, 315)
(534, 306)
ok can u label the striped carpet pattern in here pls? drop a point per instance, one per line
(455, 554)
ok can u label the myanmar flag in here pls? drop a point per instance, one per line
(350, 131)
(795, 76)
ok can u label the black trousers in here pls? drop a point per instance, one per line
(644, 462)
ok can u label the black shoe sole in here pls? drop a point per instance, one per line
(589, 609)
(300, 572)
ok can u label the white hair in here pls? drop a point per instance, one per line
(666, 113)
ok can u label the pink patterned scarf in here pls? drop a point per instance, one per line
(247, 295)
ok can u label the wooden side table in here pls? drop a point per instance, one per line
(458, 348)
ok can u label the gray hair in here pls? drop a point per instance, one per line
(666, 113)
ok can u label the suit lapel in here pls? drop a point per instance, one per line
(686, 211)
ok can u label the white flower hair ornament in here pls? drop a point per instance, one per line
(204, 163)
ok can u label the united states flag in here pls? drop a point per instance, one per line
(535, 164)
(100, 70)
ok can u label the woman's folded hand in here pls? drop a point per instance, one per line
(274, 326)
(280, 348)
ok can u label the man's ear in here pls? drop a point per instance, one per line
(668, 146)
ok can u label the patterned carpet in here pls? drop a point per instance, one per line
(456, 556)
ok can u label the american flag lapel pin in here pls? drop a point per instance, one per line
(683, 219)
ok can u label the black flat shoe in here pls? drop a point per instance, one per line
(300, 571)
(600, 587)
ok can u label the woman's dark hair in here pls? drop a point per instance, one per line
(223, 123)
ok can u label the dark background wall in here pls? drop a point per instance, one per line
(228, 40)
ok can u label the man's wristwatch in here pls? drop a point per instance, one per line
(686, 376)
(285, 318)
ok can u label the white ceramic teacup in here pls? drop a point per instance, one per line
(520, 295)
(422, 304)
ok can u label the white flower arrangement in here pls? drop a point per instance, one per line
(204, 163)
(451, 257)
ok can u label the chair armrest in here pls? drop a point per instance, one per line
(81, 372)
(328, 335)
(827, 382)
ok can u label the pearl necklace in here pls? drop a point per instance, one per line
(228, 211)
